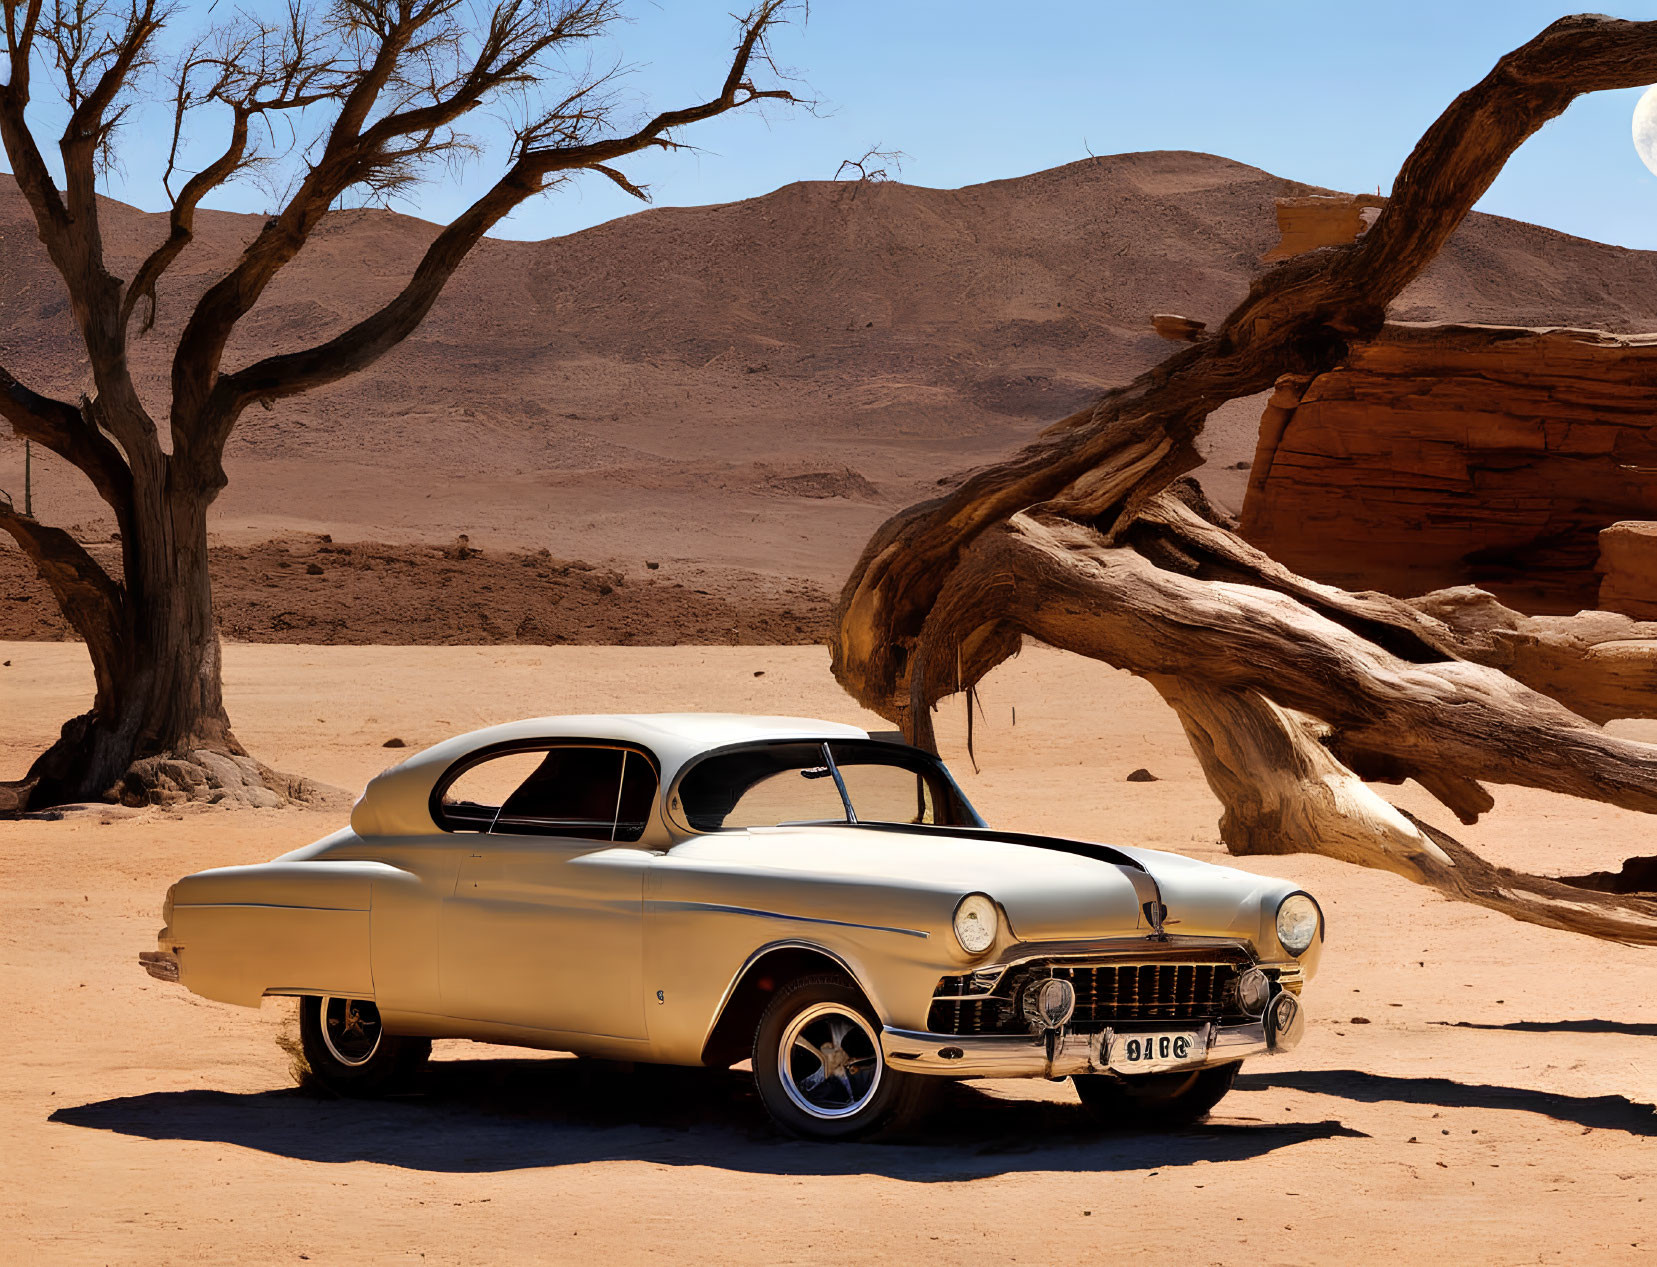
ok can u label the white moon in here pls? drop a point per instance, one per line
(1645, 128)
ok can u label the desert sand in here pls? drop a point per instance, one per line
(1469, 1089)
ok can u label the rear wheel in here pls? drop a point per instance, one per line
(348, 1050)
(819, 1067)
(1155, 1101)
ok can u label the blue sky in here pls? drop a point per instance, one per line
(1329, 93)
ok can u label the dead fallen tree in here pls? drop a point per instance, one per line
(1292, 692)
(1288, 697)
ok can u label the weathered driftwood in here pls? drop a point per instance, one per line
(1284, 793)
(1105, 461)
(1073, 541)
(1249, 659)
(1429, 713)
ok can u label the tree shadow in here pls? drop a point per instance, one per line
(475, 1116)
(1639, 1029)
(1602, 1112)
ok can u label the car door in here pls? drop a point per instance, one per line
(544, 926)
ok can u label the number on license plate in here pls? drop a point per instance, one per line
(1128, 1051)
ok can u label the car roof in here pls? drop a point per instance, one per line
(397, 802)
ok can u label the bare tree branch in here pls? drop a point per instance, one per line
(362, 344)
(62, 428)
(393, 39)
(1063, 583)
(27, 164)
(95, 50)
(627, 186)
(867, 172)
(254, 69)
(96, 56)
(88, 598)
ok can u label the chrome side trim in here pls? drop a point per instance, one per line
(311, 992)
(265, 906)
(797, 919)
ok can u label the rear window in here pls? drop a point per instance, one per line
(584, 791)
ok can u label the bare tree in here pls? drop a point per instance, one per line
(1292, 693)
(391, 81)
(872, 168)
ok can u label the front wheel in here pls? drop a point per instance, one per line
(818, 1064)
(349, 1051)
(1155, 1101)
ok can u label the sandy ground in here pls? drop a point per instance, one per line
(1493, 1104)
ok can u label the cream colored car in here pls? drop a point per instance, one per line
(700, 889)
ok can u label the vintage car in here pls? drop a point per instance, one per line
(701, 889)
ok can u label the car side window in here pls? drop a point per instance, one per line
(588, 792)
(473, 797)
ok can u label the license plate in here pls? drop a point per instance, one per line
(1147, 1053)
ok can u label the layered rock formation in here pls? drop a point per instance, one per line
(1321, 220)
(1441, 455)
(1628, 569)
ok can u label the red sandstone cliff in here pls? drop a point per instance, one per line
(1442, 455)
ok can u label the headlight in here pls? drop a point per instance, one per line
(1297, 922)
(976, 923)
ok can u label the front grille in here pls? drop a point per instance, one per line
(1108, 993)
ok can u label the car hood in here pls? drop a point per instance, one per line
(1051, 889)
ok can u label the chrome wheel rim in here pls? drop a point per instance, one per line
(351, 1030)
(829, 1061)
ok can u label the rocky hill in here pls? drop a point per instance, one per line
(748, 388)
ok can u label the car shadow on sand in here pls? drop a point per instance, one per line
(1601, 1112)
(1638, 1029)
(473, 1116)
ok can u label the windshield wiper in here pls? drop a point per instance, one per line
(840, 783)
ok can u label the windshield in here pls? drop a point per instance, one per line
(840, 781)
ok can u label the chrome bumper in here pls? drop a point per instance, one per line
(1059, 1053)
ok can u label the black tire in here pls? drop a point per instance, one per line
(863, 1095)
(348, 1051)
(1155, 1101)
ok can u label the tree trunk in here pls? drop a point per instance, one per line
(156, 666)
